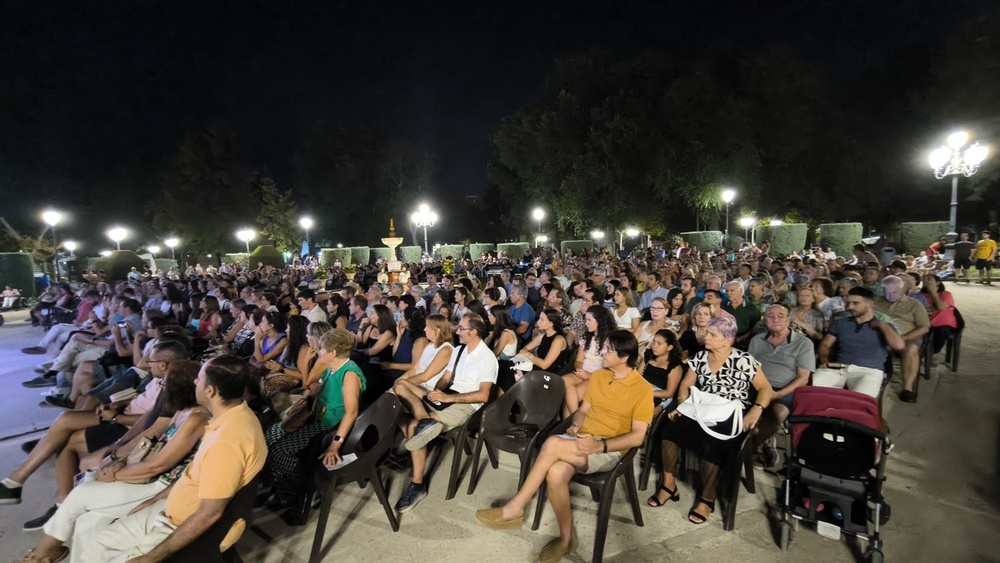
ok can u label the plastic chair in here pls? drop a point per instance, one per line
(954, 344)
(459, 439)
(651, 446)
(371, 438)
(206, 546)
(534, 400)
(602, 489)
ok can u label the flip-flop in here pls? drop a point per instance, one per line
(655, 502)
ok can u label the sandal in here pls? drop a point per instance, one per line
(655, 502)
(696, 518)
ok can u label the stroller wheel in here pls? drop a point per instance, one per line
(786, 535)
(874, 556)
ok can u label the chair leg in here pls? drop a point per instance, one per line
(476, 454)
(603, 515)
(491, 453)
(324, 515)
(956, 343)
(647, 463)
(633, 494)
(376, 479)
(525, 459)
(539, 505)
(751, 482)
(460, 443)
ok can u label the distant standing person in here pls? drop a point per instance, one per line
(986, 253)
(963, 248)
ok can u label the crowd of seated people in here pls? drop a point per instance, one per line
(740, 324)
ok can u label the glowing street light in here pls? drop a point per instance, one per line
(538, 214)
(171, 243)
(105, 253)
(52, 218)
(597, 235)
(117, 234)
(727, 196)
(747, 223)
(541, 239)
(952, 161)
(153, 249)
(424, 217)
(246, 235)
(306, 223)
(777, 222)
(71, 246)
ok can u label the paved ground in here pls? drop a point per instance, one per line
(942, 483)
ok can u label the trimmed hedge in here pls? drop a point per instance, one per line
(704, 240)
(456, 251)
(784, 239)
(379, 252)
(478, 249)
(17, 270)
(577, 246)
(327, 256)
(360, 254)
(120, 263)
(410, 254)
(267, 254)
(164, 264)
(841, 237)
(514, 250)
(916, 237)
(240, 258)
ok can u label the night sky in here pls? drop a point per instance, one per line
(96, 96)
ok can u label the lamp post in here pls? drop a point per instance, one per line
(171, 243)
(71, 247)
(153, 249)
(951, 160)
(538, 214)
(246, 235)
(117, 234)
(597, 235)
(424, 217)
(52, 218)
(540, 240)
(306, 223)
(727, 196)
(633, 232)
(748, 223)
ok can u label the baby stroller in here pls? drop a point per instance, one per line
(835, 468)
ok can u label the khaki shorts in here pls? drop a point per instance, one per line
(601, 462)
(456, 415)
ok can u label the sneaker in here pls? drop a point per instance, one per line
(412, 494)
(61, 401)
(45, 380)
(33, 350)
(28, 446)
(769, 456)
(37, 523)
(9, 495)
(426, 430)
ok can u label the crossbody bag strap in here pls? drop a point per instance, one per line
(442, 384)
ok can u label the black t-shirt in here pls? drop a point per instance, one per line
(963, 249)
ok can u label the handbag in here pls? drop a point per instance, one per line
(145, 448)
(297, 415)
(521, 431)
(708, 409)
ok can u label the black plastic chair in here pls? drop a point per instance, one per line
(954, 344)
(459, 438)
(651, 446)
(206, 546)
(730, 478)
(602, 489)
(371, 438)
(534, 401)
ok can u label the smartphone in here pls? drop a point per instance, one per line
(122, 324)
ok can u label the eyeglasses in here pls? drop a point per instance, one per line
(657, 308)
(462, 328)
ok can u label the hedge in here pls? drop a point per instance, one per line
(480, 248)
(916, 237)
(379, 252)
(514, 250)
(410, 254)
(784, 239)
(360, 255)
(268, 255)
(240, 258)
(456, 251)
(841, 237)
(119, 263)
(17, 270)
(164, 264)
(704, 240)
(577, 246)
(327, 256)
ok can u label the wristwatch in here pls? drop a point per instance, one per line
(337, 438)
(604, 441)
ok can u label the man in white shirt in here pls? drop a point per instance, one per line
(465, 386)
(309, 308)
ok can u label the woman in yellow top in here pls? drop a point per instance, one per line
(616, 411)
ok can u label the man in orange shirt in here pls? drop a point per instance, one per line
(231, 454)
(616, 411)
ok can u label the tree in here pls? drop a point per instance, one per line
(278, 214)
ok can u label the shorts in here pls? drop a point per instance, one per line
(104, 434)
(984, 265)
(963, 263)
(456, 415)
(601, 462)
(786, 400)
(856, 378)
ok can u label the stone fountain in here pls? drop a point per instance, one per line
(394, 268)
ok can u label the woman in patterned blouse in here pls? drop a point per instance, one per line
(729, 373)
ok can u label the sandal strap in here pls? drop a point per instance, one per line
(709, 503)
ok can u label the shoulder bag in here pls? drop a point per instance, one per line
(709, 409)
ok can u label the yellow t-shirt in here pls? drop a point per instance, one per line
(614, 405)
(985, 248)
(230, 455)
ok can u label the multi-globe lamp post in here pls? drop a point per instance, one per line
(52, 218)
(117, 235)
(424, 217)
(957, 158)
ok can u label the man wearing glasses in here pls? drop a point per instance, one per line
(465, 386)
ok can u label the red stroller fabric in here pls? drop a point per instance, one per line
(833, 403)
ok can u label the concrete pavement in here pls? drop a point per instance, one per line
(942, 484)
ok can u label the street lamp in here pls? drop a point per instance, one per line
(52, 218)
(424, 217)
(951, 161)
(748, 223)
(597, 235)
(70, 246)
(777, 222)
(540, 240)
(306, 223)
(105, 253)
(117, 234)
(246, 235)
(727, 196)
(153, 249)
(171, 243)
(538, 214)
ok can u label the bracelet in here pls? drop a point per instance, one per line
(605, 442)
(758, 405)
